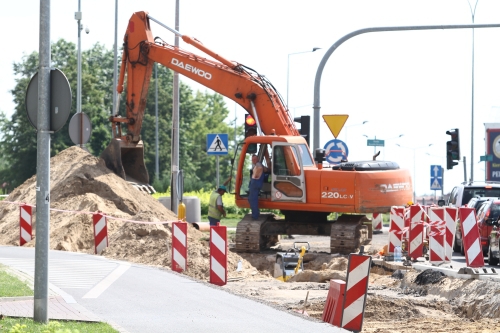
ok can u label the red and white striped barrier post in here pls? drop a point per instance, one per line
(416, 237)
(396, 228)
(470, 236)
(437, 236)
(179, 246)
(450, 217)
(218, 255)
(25, 226)
(358, 270)
(377, 223)
(437, 242)
(100, 232)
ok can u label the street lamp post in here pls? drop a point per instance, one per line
(473, 13)
(288, 70)
(78, 18)
(414, 170)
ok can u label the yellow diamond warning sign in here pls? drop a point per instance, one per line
(335, 122)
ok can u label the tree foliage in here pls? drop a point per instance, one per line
(200, 113)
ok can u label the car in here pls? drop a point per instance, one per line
(463, 193)
(487, 217)
(475, 203)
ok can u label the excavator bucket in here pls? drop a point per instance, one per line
(127, 161)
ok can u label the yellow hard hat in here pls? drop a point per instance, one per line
(410, 203)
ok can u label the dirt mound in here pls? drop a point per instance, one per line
(80, 184)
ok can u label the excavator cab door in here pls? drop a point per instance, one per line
(287, 177)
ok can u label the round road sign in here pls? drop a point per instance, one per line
(80, 128)
(336, 151)
(60, 100)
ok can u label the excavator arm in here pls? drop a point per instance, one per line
(235, 81)
(125, 154)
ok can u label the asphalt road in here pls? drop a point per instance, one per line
(142, 299)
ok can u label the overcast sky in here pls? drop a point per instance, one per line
(414, 83)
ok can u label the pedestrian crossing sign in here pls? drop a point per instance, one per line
(217, 144)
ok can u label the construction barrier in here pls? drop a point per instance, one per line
(25, 226)
(416, 234)
(179, 246)
(100, 232)
(332, 312)
(437, 242)
(396, 228)
(218, 255)
(358, 271)
(377, 223)
(450, 217)
(470, 237)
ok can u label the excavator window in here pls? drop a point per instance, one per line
(285, 161)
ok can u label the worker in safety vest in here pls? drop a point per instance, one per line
(215, 206)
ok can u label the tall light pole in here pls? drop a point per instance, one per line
(473, 13)
(414, 170)
(115, 63)
(288, 70)
(78, 18)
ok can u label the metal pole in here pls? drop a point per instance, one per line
(79, 63)
(115, 60)
(328, 53)
(175, 124)
(473, 13)
(465, 170)
(414, 178)
(157, 159)
(217, 168)
(41, 282)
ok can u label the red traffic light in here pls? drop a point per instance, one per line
(249, 121)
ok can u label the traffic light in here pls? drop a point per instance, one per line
(250, 126)
(452, 149)
(305, 126)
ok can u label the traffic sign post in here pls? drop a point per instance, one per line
(486, 158)
(436, 177)
(375, 143)
(217, 145)
(336, 151)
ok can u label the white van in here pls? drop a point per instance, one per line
(461, 194)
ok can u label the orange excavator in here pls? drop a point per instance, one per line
(296, 184)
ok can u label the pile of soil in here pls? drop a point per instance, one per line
(80, 184)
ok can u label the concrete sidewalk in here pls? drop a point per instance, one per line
(61, 306)
(58, 309)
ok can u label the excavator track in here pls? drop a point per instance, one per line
(248, 237)
(348, 233)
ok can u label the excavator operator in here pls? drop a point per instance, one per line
(256, 182)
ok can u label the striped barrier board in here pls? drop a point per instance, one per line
(179, 246)
(450, 217)
(100, 232)
(218, 255)
(377, 223)
(25, 226)
(358, 271)
(437, 243)
(471, 238)
(396, 228)
(416, 234)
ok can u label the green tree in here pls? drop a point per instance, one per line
(200, 114)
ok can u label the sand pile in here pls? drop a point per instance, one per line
(80, 184)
